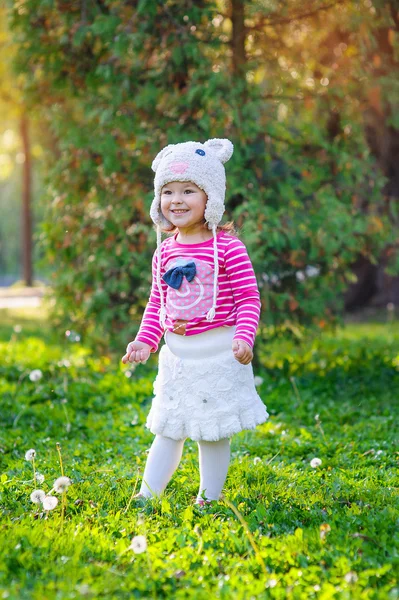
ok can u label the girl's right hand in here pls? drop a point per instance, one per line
(137, 352)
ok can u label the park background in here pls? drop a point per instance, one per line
(308, 93)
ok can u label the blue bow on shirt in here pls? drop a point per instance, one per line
(174, 277)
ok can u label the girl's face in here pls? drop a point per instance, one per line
(183, 204)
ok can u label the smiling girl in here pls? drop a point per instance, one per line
(205, 299)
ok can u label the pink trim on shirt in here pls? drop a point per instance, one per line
(238, 300)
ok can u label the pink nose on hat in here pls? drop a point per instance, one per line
(179, 167)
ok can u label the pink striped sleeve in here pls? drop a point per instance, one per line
(151, 330)
(245, 290)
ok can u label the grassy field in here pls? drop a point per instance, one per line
(285, 529)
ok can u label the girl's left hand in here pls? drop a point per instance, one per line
(242, 352)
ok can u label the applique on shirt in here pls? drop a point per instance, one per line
(193, 298)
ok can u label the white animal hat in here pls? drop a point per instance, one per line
(203, 165)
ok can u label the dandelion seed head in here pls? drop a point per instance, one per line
(257, 459)
(61, 484)
(37, 496)
(139, 544)
(17, 328)
(351, 577)
(35, 375)
(64, 363)
(50, 502)
(315, 462)
(83, 589)
(30, 454)
(39, 477)
(258, 380)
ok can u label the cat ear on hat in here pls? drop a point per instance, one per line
(223, 148)
(160, 156)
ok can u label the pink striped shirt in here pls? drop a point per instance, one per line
(238, 299)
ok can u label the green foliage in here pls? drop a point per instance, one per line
(115, 83)
(326, 532)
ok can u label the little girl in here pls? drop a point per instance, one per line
(205, 299)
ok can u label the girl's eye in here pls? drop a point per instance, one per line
(169, 192)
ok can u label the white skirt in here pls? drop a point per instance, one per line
(201, 391)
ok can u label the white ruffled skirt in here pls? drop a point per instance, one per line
(201, 391)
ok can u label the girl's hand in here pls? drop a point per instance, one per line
(137, 352)
(242, 352)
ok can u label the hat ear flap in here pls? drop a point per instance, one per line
(159, 157)
(223, 148)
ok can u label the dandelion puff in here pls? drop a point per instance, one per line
(37, 496)
(39, 477)
(49, 502)
(61, 484)
(83, 589)
(139, 544)
(351, 577)
(64, 363)
(258, 380)
(257, 459)
(17, 328)
(315, 462)
(30, 454)
(35, 375)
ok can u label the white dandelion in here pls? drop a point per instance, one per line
(315, 462)
(30, 454)
(37, 496)
(49, 502)
(61, 484)
(139, 544)
(17, 328)
(257, 459)
(35, 375)
(39, 478)
(351, 577)
(64, 363)
(258, 380)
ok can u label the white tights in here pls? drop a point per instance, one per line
(164, 458)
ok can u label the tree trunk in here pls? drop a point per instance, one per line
(26, 205)
(239, 58)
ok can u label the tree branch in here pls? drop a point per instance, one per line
(265, 22)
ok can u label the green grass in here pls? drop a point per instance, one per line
(286, 530)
